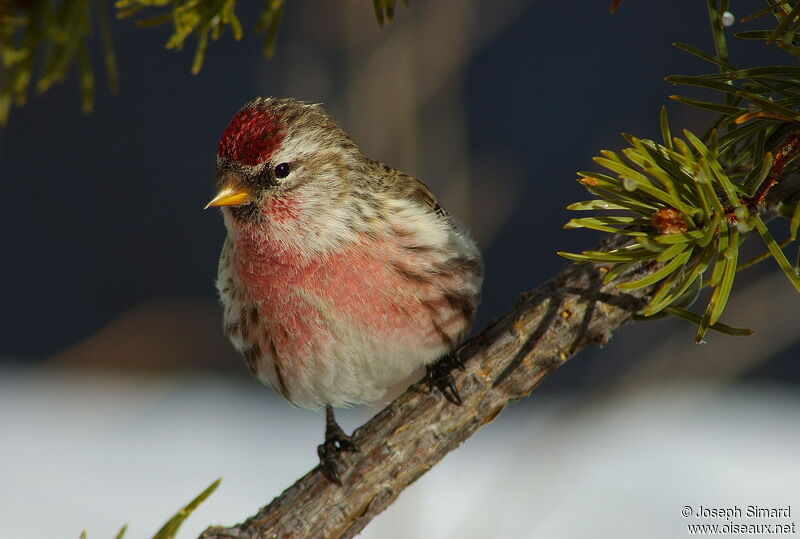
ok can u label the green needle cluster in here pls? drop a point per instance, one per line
(54, 34)
(689, 203)
(41, 40)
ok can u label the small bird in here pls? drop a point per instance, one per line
(339, 275)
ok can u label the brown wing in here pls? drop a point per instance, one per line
(401, 185)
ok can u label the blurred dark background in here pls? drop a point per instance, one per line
(110, 260)
(496, 105)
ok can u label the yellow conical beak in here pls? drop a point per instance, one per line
(230, 196)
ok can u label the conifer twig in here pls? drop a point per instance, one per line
(787, 151)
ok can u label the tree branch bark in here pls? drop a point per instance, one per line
(505, 362)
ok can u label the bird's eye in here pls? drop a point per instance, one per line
(282, 170)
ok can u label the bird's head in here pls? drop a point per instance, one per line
(276, 147)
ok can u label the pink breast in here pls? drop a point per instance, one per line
(359, 289)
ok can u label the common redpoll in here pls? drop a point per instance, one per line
(340, 275)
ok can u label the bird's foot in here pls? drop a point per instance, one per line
(440, 376)
(336, 441)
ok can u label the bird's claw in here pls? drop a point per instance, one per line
(440, 376)
(328, 455)
(336, 442)
(347, 444)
